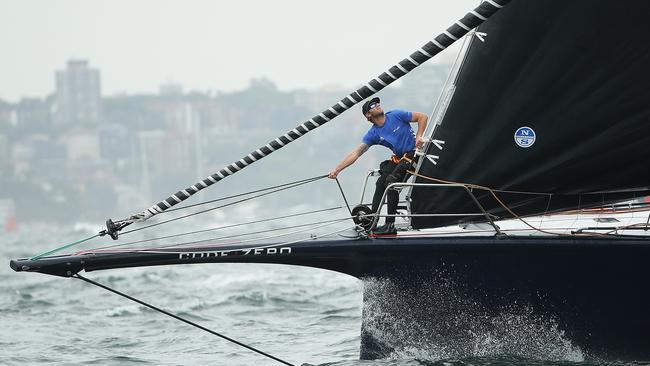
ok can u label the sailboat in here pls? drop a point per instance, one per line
(522, 219)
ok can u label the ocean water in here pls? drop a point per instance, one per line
(301, 315)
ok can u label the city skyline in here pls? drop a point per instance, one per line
(78, 148)
(212, 46)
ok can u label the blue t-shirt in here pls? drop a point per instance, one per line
(396, 134)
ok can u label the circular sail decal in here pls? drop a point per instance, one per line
(525, 137)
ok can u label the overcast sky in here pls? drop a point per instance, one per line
(212, 44)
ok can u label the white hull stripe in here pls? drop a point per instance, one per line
(323, 116)
(260, 152)
(166, 204)
(288, 137)
(334, 111)
(243, 162)
(252, 157)
(228, 170)
(422, 51)
(235, 167)
(268, 146)
(176, 198)
(212, 179)
(371, 88)
(402, 68)
(391, 75)
(202, 183)
(221, 174)
(279, 141)
(380, 81)
(186, 193)
(295, 130)
(345, 107)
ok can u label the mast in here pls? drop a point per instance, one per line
(440, 108)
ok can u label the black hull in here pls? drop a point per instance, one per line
(456, 295)
(548, 299)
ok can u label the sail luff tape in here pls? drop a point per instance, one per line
(470, 21)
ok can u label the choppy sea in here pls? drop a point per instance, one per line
(301, 315)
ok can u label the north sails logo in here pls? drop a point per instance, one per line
(233, 253)
(525, 137)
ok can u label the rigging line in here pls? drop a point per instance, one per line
(222, 206)
(244, 194)
(471, 20)
(267, 245)
(284, 187)
(343, 194)
(78, 276)
(492, 192)
(63, 247)
(625, 227)
(498, 200)
(276, 244)
(548, 206)
(187, 244)
(212, 229)
(313, 238)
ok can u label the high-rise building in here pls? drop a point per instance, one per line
(78, 94)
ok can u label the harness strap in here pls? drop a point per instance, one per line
(408, 157)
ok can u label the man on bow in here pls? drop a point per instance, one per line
(392, 130)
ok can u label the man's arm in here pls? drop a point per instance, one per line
(421, 119)
(348, 160)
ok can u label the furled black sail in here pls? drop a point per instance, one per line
(573, 74)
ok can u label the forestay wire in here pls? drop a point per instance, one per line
(456, 31)
(219, 228)
(247, 197)
(267, 191)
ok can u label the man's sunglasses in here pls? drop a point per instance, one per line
(373, 105)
